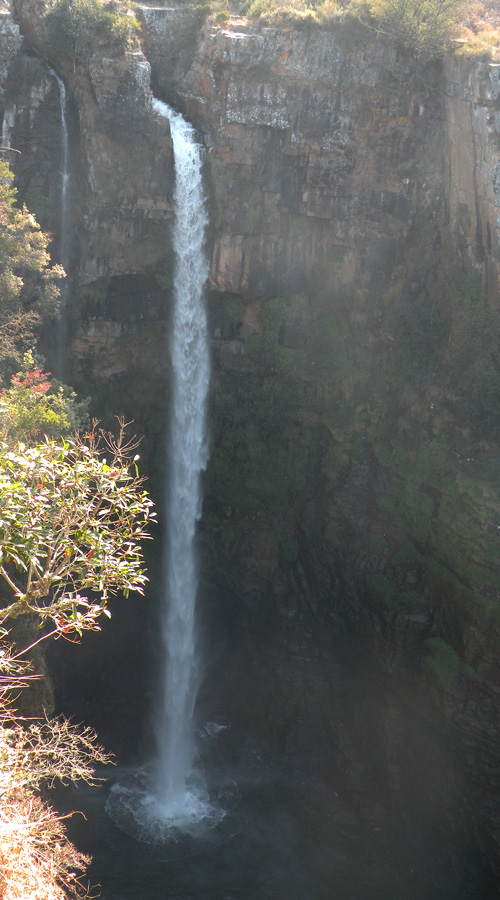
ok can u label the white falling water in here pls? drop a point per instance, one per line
(8, 122)
(64, 167)
(61, 329)
(187, 457)
(155, 806)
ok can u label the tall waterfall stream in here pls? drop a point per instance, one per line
(173, 796)
(187, 458)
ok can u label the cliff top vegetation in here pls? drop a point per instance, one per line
(75, 26)
(426, 27)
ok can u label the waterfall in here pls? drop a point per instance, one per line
(64, 167)
(9, 118)
(156, 803)
(61, 330)
(187, 451)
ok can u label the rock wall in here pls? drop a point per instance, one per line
(351, 489)
(119, 212)
(472, 175)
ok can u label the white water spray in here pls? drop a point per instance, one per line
(64, 168)
(8, 122)
(188, 457)
(175, 798)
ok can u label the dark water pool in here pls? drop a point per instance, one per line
(283, 837)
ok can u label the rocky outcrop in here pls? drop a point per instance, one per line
(472, 175)
(321, 149)
(328, 127)
(121, 181)
(10, 38)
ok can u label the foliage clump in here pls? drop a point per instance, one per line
(423, 27)
(478, 32)
(72, 516)
(74, 27)
(36, 858)
(34, 405)
(441, 662)
(472, 357)
(71, 520)
(296, 12)
(448, 345)
(29, 284)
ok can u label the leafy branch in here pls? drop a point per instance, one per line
(73, 514)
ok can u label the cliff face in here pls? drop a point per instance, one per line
(116, 245)
(333, 141)
(321, 148)
(472, 166)
(351, 508)
(351, 485)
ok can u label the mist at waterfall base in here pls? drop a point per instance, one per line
(283, 837)
(170, 795)
(291, 830)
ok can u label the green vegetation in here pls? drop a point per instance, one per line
(28, 283)
(33, 405)
(265, 345)
(71, 519)
(441, 662)
(73, 513)
(296, 12)
(472, 357)
(447, 343)
(75, 27)
(478, 33)
(406, 474)
(424, 28)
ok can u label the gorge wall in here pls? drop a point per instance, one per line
(351, 517)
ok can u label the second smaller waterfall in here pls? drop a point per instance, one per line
(64, 168)
(9, 118)
(61, 332)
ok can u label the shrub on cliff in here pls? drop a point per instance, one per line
(72, 515)
(478, 33)
(423, 27)
(34, 405)
(75, 26)
(295, 12)
(28, 283)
